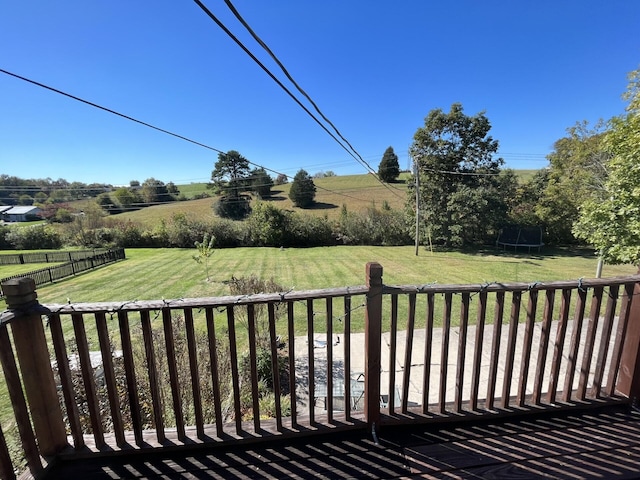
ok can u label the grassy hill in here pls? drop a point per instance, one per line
(357, 192)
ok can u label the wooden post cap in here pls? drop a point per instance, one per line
(19, 291)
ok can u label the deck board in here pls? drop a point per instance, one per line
(602, 443)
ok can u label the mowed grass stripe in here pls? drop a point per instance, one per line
(149, 274)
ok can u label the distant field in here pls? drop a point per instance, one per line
(190, 190)
(358, 192)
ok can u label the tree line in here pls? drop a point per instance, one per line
(588, 193)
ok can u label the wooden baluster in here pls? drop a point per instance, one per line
(235, 375)
(511, 347)
(526, 346)
(6, 465)
(291, 331)
(543, 347)
(408, 351)
(428, 341)
(495, 349)
(393, 346)
(66, 383)
(594, 315)
(275, 364)
(130, 374)
(329, 349)
(174, 380)
(215, 378)
(559, 346)
(20, 410)
(110, 377)
(311, 356)
(575, 345)
(33, 355)
(347, 359)
(605, 338)
(444, 354)
(477, 354)
(251, 319)
(193, 369)
(88, 378)
(152, 370)
(462, 349)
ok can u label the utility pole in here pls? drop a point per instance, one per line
(416, 171)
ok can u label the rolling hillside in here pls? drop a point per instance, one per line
(357, 192)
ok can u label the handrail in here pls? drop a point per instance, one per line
(177, 369)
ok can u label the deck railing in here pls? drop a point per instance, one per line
(94, 378)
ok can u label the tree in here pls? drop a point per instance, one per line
(230, 173)
(261, 182)
(389, 168)
(154, 191)
(282, 179)
(303, 190)
(611, 220)
(126, 197)
(460, 197)
(205, 250)
(577, 172)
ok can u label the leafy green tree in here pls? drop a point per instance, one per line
(154, 191)
(230, 173)
(126, 197)
(525, 200)
(577, 172)
(25, 199)
(40, 197)
(460, 197)
(261, 182)
(268, 225)
(282, 179)
(303, 190)
(389, 168)
(611, 221)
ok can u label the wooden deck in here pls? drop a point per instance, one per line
(601, 443)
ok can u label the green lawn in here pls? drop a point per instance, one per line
(172, 273)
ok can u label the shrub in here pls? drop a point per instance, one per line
(310, 231)
(34, 238)
(268, 225)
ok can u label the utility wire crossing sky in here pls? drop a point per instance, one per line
(365, 73)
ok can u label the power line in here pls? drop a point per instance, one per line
(127, 117)
(352, 153)
(109, 110)
(295, 84)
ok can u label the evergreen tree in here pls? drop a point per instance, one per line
(303, 190)
(389, 168)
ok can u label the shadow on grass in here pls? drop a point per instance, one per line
(520, 254)
(322, 206)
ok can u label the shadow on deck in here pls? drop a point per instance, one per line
(595, 443)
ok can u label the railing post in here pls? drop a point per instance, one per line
(372, 346)
(629, 374)
(35, 365)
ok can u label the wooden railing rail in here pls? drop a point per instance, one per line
(594, 357)
(145, 374)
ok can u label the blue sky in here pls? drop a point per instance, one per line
(374, 68)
